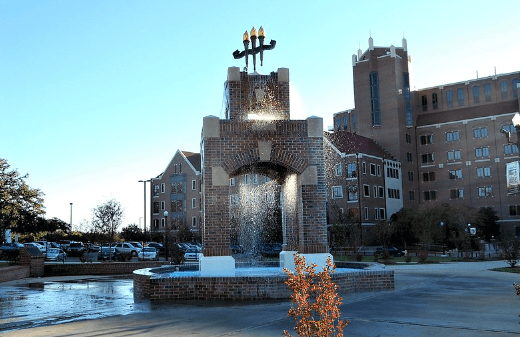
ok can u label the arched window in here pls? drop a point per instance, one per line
(487, 92)
(476, 94)
(460, 96)
(515, 87)
(503, 89)
(449, 98)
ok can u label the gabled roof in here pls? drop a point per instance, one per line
(193, 158)
(350, 143)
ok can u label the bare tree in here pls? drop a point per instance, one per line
(107, 217)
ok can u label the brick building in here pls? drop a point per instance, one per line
(447, 138)
(177, 191)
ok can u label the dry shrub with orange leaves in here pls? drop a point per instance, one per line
(317, 303)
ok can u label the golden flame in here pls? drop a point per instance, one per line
(261, 32)
(253, 32)
(246, 36)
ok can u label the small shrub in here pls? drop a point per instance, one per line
(407, 258)
(317, 310)
(358, 257)
(423, 256)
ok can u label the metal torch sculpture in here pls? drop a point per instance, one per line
(255, 49)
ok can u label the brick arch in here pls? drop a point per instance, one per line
(292, 163)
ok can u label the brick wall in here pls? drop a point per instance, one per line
(14, 273)
(249, 288)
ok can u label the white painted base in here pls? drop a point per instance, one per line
(287, 260)
(217, 266)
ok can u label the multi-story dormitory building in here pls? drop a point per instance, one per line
(177, 190)
(446, 138)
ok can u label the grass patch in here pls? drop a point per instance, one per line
(514, 270)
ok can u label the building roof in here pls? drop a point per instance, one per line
(193, 158)
(350, 143)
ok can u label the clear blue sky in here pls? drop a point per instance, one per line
(95, 95)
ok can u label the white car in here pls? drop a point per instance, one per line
(193, 253)
(37, 245)
(56, 254)
(148, 253)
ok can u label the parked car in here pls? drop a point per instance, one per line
(64, 244)
(91, 247)
(160, 248)
(126, 248)
(107, 253)
(56, 254)
(148, 253)
(46, 245)
(270, 249)
(136, 244)
(192, 253)
(393, 251)
(36, 245)
(76, 249)
(10, 247)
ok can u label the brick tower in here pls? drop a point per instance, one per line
(257, 134)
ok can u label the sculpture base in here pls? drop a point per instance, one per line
(320, 259)
(217, 266)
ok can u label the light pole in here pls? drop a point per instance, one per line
(516, 124)
(144, 189)
(443, 239)
(166, 234)
(71, 216)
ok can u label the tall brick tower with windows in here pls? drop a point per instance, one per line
(383, 100)
(257, 134)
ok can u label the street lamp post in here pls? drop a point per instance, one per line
(144, 189)
(516, 124)
(443, 239)
(71, 216)
(166, 234)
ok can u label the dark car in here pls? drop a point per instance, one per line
(160, 248)
(270, 249)
(108, 253)
(91, 247)
(393, 251)
(10, 247)
(76, 249)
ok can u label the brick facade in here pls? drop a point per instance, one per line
(278, 148)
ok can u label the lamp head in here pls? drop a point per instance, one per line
(516, 120)
(165, 214)
(246, 36)
(253, 32)
(261, 32)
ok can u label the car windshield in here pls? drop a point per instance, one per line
(52, 251)
(149, 249)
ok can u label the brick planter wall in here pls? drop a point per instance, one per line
(98, 268)
(247, 288)
(14, 273)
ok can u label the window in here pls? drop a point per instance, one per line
(374, 98)
(454, 155)
(411, 195)
(366, 190)
(481, 132)
(452, 136)
(435, 101)
(455, 174)
(510, 149)
(428, 176)
(163, 222)
(392, 172)
(379, 170)
(503, 89)
(338, 124)
(351, 170)
(156, 188)
(476, 94)
(352, 193)
(372, 169)
(233, 199)
(247, 179)
(353, 120)
(484, 192)
(515, 87)
(487, 92)
(424, 101)
(375, 192)
(409, 157)
(345, 123)
(232, 182)
(155, 223)
(482, 152)
(408, 138)
(514, 210)
(163, 187)
(177, 206)
(430, 195)
(483, 172)
(410, 175)
(364, 167)
(194, 185)
(337, 192)
(427, 158)
(460, 96)
(509, 128)
(381, 192)
(376, 214)
(162, 205)
(449, 98)
(457, 193)
(156, 206)
(194, 221)
(193, 202)
(393, 193)
(338, 169)
(366, 213)
(428, 139)
(407, 99)
(382, 214)
(255, 179)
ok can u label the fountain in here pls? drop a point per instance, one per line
(257, 138)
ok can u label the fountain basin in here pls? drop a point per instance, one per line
(248, 284)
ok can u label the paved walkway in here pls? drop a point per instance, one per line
(453, 299)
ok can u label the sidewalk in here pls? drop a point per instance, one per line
(451, 299)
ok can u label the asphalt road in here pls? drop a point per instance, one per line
(453, 299)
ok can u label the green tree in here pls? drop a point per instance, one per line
(132, 233)
(19, 204)
(107, 217)
(487, 224)
(403, 223)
